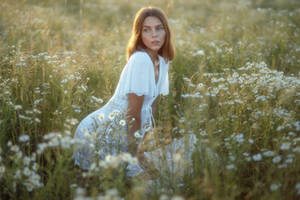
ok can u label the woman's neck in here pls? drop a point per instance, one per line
(153, 54)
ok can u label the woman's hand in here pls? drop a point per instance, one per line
(148, 167)
(152, 141)
(134, 120)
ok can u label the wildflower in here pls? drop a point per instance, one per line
(29, 112)
(260, 98)
(24, 138)
(111, 116)
(27, 171)
(138, 135)
(80, 191)
(17, 107)
(112, 192)
(37, 111)
(54, 142)
(17, 174)
(101, 117)
(285, 146)
(163, 197)
(186, 79)
(248, 159)
(35, 166)
(15, 148)
(33, 156)
(275, 187)
(203, 133)
(276, 159)
(245, 154)
(177, 198)
(24, 117)
(297, 187)
(93, 166)
(232, 158)
(73, 121)
(94, 135)
(148, 127)
(122, 122)
(26, 160)
(291, 133)
(116, 112)
(92, 146)
(74, 185)
(49, 136)
(269, 153)
(240, 138)
(289, 160)
(200, 85)
(231, 166)
(41, 148)
(297, 125)
(257, 157)
(284, 165)
(126, 157)
(112, 161)
(177, 157)
(2, 169)
(199, 52)
(87, 135)
(280, 128)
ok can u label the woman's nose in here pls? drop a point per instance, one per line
(154, 33)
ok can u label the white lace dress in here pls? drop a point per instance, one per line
(104, 130)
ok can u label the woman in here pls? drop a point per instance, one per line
(143, 79)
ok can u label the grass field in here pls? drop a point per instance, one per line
(234, 87)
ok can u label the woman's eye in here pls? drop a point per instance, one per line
(146, 30)
(160, 28)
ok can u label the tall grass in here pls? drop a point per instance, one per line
(234, 98)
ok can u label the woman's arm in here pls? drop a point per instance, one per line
(133, 119)
(154, 106)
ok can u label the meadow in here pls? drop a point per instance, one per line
(234, 91)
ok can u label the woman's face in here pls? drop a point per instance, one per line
(153, 33)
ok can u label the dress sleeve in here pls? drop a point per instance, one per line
(137, 76)
(164, 87)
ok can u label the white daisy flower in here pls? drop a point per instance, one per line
(111, 116)
(257, 157)
(276, 159)
(101, 117)
(23, 138)
(275, 187)
(122, 122)
(138, 135)
(116, 112)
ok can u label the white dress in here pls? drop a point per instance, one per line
(103, 130)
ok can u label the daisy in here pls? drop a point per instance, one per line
(101, 116)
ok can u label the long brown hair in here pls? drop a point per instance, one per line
(135, 42)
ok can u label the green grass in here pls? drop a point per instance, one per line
(234, 87)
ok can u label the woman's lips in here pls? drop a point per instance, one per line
(155, 42)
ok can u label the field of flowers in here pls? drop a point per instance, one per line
(234, 99)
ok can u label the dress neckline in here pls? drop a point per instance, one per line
(153, 70)
(159, 66)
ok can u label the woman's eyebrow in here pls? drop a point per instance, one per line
(154, 25)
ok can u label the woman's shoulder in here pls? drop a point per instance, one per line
(163, 60)
(140, 56)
